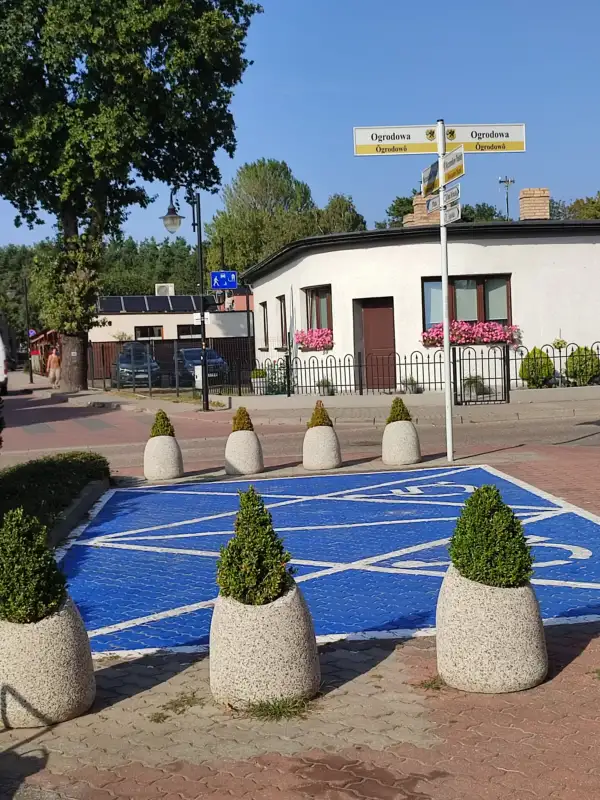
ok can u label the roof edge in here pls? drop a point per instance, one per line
(477, 230)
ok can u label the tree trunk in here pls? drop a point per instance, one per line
(73, 356)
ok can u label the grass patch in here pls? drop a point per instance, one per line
(45, 487)
(158, 717)
(433, 684)
(276, 710)
(181, 702)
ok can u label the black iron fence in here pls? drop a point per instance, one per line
(480, 374)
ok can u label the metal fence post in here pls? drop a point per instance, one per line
(360, 375)
(176, 367)
(457, 399)
(288, 377)
(507, 372)
(238, 366)
(149, 369)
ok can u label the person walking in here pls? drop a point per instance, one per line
(53, 368)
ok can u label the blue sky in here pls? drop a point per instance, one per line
(322, 67)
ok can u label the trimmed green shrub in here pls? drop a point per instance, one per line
(398, 412)
(258, 373)
(320, 417)
(536, 368)
(241, 420)
(46, 486)
(162, 425)
(253, 568)
(489, 545)
(325, 386)
(31, 585)
(582, 366)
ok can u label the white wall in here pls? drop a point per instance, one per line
(221, 324)
(555, 285)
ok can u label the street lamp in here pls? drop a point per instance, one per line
(172, 222)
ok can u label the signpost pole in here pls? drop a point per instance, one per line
(441, 138)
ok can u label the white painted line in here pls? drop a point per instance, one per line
(133, 623)
(307, 528)
(302, 499)
(61, 551)
(568, 584)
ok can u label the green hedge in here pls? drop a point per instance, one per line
(45, 487)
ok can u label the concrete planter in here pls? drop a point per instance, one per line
(321, 449)
(400, 444)
(162, 459)
(489, 639)
(262, 653)
(46, 670)
(243, 454)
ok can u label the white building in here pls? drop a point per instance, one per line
(156, 318)
(379, 290)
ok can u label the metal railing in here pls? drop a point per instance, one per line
(480, 374)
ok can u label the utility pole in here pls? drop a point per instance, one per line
(197, 227)
(441, 140)
(507, 183)
(27, 326)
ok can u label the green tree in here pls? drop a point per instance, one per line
(396, 212)
(481, 212)
(340, 216)
(99, 96)
(265, 208)
(585, 208)
(559, 209)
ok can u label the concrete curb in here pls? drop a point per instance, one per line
(72, 516)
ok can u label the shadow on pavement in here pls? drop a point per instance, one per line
(567, 642)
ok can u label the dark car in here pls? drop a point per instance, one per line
(131, 368)
(188, 358)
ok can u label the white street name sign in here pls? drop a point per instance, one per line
(451, 198)
(400, 140)
(453, 214)
(454, 168)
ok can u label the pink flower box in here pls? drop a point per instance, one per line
(473, 333)
(314, 339)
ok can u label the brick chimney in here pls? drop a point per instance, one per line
(534, 204)
(420, 215)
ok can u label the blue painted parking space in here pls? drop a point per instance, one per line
(370, 552)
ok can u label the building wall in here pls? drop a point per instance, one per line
(220, 325)
(554, 286)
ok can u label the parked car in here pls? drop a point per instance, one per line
(131, 368)
(188, 358)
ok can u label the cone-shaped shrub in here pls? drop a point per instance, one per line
(253, 568)
(320, 417)
(32, 587)
(489, 545)
(241, 420)
(536, 368)
(399, 412)
(162, 425)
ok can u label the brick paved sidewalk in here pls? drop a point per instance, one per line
(378, 731)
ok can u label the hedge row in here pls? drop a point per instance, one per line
(45, 487)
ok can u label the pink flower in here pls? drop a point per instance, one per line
(473, 333)
(314, 339)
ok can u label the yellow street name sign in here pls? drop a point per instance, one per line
(415, 139)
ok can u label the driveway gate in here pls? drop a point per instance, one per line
(480, 375)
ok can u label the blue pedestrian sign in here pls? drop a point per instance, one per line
(224, 279)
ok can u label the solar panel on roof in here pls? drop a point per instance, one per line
(110, 305)
(158, 303)
(182, 303)
(209, 302)
(135, 303)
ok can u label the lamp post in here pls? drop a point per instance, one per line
(172, 222)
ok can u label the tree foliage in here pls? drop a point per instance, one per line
(481, 212)
(265, 208)
(98, 96)
(396, 211)
(584, 208)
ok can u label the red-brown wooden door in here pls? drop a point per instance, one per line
(379, 342)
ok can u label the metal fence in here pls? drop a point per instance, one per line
(480, 374)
